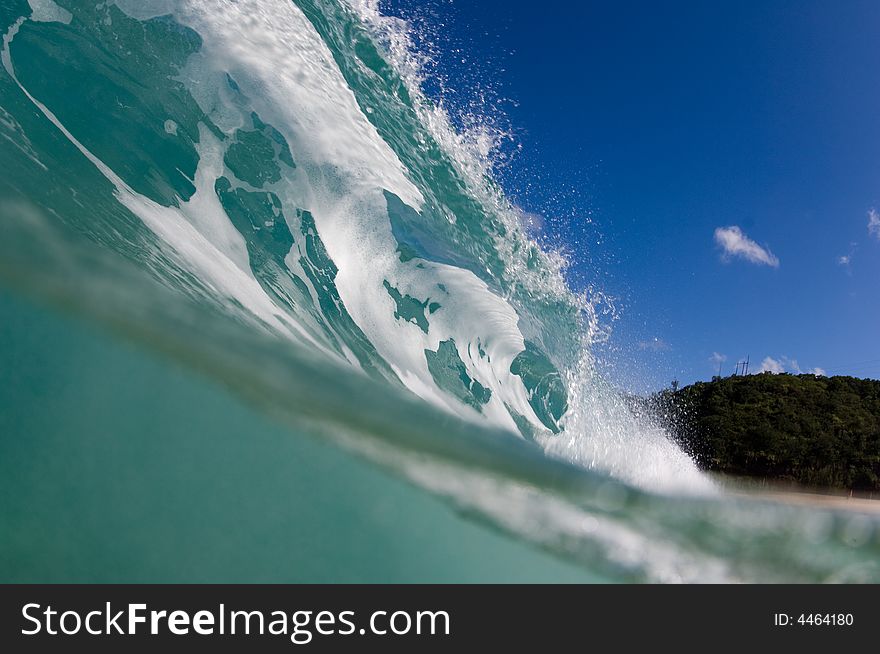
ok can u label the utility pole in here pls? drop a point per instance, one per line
(742, 367)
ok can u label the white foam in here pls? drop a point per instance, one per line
(146, 9)
(602, 432)
(46, 11)
(288, 73)
(215, 262)
(271, 49)
(473, 151)
(281, 63)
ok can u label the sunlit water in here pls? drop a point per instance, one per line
(259, 192)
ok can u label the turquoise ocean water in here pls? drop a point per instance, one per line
(266, 316)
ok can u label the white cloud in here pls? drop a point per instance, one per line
(717, 359)
(874, 223)
(845, 260)
(787, 364)
(769, 364)
(655, 345)
(736, 244)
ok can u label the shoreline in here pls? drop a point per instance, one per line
(818, 499)
(814, 498)
(792, 494)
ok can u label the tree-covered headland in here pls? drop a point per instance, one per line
(807, 429)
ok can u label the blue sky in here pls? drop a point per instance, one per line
(713, 166)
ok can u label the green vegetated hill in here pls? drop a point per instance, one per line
(815, 431)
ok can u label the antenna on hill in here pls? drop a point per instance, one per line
(742, 367)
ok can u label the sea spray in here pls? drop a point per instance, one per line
(314, 233)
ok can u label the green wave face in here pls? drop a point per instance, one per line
(260, 191)
(209, 151)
